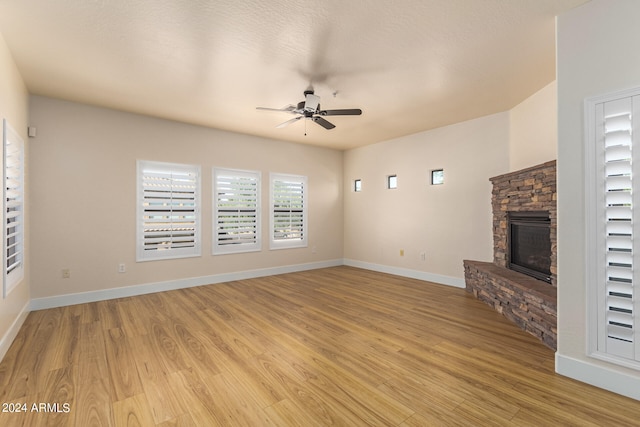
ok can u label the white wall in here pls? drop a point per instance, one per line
(14, 108)
(533, 131)
(449, 222)
(83, 164)
(597, 54)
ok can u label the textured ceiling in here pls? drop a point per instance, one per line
(410, 65)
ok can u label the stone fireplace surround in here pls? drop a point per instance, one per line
(529, 303)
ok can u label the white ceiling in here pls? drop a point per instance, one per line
(410, 65)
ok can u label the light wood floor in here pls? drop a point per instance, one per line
(338, 346)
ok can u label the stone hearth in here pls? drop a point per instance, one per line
(530, 303)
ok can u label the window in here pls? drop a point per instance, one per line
(236, 213)
(168, 211)
(612, 165)
(437, 177)
(392, 182)
(357, 185)
(13, 152)
(288, 225)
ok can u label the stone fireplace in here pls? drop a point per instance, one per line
(521, 281)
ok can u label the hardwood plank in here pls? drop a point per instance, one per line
(132, 412)
(311, 401)
(331, 387)
(60, 391)
(125, 381)
(90, 312)
(421, 396)
(93, 406)
(237, 403)
(91, 341)
(34, 360)
(536, 418)
(93, 399)
(163, 406)
(15, 356)
(108, 314)
(205, 297)
(195, 394)
(166, 345)
(131, 323)
(288, 413)
(53, 405)
(437, 418)
(66, 337)
(225, 337)
(183, 420)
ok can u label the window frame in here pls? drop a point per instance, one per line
(169, 169)
(392, 182)
(601, 344)
(288, 243)
(13, 208)
(437, 177)
(219, 248)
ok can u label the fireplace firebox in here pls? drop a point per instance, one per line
(529, 244)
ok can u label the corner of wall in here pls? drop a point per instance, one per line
(533, 129)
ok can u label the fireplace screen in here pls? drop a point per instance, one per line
(530, 244)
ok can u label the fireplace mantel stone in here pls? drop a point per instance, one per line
(528, 302)
(526, 190)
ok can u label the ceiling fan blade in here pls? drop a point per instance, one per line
(288, 122)
(322, 122)
(345, 112)
(286, 109)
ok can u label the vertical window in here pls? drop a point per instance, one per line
(392, 182)
(613, 168)
(437, 177)
(357, 185)
(236, 213)
(168, 211)
(288, 224)
(13, 239)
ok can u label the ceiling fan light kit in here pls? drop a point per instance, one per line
(310, 109)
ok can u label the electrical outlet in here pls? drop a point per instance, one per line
(423, 256)
(66, 273)
(122, 268)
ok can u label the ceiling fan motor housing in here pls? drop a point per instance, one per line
(311, 103)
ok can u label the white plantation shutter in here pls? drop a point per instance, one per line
(236, 211)
(168, 210)
(614, 254)
(289, 211)
(619, 228)
(13, 240)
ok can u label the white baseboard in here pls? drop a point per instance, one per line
(149, 288)
(599, 376)
(405, 272)
(11, 334)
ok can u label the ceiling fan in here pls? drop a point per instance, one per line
(310, 109)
